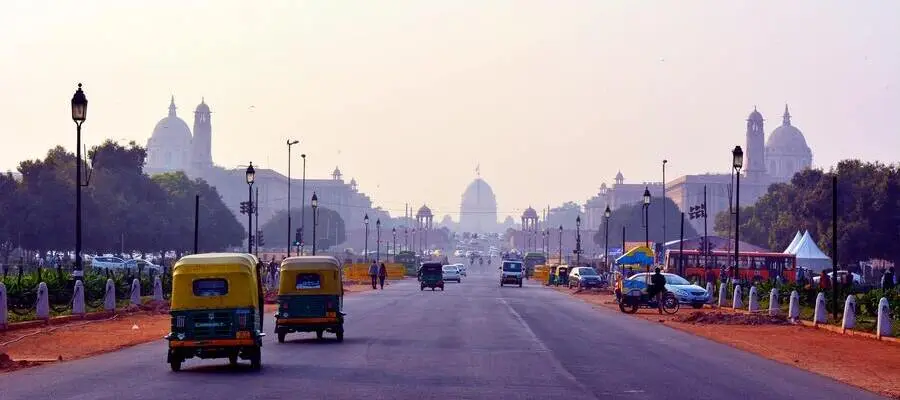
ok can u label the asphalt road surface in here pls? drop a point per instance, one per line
(475, 340)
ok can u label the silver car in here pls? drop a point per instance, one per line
(686, 292)
(451, 273)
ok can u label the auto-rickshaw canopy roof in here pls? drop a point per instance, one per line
(237, 269)
(310, 275)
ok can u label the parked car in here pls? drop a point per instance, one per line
(685, 291)
(451, 273)
(107, 262)
(842, 277)
(584, 278)
(143, 265)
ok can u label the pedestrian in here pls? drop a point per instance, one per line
(373, 273)
(382, 275)
(824, 281)
(887, 280)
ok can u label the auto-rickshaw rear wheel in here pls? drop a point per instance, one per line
(256, 359)
(281, 336)
(175, 365)
(233, 359)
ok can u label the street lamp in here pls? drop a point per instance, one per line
(378, 240)
(560, 245)
(302, 203)
(578, 241)
(366, 223)
(289, 144)
(394, 231)
(737, 161)
(250, 176)
(606, 214)
(664, 198)
(406, 237)
(646, 206)
(314, 202)
(79, 114)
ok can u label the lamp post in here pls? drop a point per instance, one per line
(646, 206)
(79, 114)
(578, 241)
(314, 203)
(560, 245)
(302, 203)
(737, 161)
(250, 176)
(378, 240)
(394, 232)
(606, 214)
(366, 223)
(406, 237)
(289, 144)
(664, 199)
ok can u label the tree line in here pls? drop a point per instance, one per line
(122, 207)
(868, 212)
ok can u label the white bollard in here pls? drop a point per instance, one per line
(820, 316)
(709, 289)
(78, 299)
(136, 292)
(723, 294)
(43, 302)
(754, 301)
(774, 306)
(4, 319)
(849, 313)
(794, 309)
(109, 298)
(884, 318)
(157, 289)
(737, 302)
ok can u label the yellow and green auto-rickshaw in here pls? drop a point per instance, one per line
(216, 309)
(310, 297)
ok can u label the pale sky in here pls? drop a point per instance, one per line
(551, 98)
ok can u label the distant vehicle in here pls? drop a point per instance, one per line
(585, 278)
(684, 291)
(533, 259)
(107, 262)
(511, 273)
(137, 264)
(451, 273)
(431, 276)
(764, 265)
(462, 269)
(842, 276)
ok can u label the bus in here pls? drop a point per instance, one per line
(752, 266)
(533, 259)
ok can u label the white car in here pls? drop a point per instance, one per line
(107, 262)
(135, 264)
(462, 269)
(451, 273)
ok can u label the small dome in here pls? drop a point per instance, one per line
(202, 107)
(424, 211)
(171, 130)
(787, 139)
(530, 213)
(620, 177)
(755, 115)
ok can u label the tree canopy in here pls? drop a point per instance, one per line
(631, 216)
(330, 230)
(122, 208)
(868, 211)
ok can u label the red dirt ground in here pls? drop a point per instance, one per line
(23, 348)
(854, 360)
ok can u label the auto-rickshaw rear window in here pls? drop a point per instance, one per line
(308, 281)
(210, 287)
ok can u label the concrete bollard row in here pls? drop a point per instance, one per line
(723, 294)
(820, 316)
(43, 302)
(884, 318)
(4, 318)
(737, 302)
(109, 298)
(157, 289)
(136, 292)
(754, 300)
(794, 309)
(849, 321)
(774, 306)
(78, 307)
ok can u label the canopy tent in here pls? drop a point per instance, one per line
(790, 248)
(640, 255)
(809, 256)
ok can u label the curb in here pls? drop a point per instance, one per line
(850, 332)
(62, 319)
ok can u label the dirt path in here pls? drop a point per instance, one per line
(78, 339)
(859, 361)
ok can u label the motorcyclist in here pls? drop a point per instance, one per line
(657, 288)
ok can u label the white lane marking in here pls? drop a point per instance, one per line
(544, 349)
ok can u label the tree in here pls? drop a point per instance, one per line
(330, 230)
(564, 215)
(9, 222)
(631, 216)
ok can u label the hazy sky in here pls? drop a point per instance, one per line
(551, 98)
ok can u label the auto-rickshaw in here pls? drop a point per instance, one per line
(310, 297)
(551, 276)
(562, 278)
(431, 275)
(216, 309)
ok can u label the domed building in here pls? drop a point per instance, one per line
(478, 210)
(172, 147)
(786, 151)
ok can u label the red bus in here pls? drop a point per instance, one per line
(752, 265)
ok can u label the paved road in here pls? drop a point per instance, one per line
(472, 341)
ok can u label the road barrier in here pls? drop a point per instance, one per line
(359, 272)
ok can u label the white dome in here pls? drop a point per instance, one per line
(169, 146)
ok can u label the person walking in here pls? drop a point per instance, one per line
(373, 273)
(382, 275)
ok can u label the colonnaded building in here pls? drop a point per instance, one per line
(172, 147)
(774, 160)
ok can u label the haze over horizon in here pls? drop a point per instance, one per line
(551, 99)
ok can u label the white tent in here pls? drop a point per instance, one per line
(809, 256)
(793, 244)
